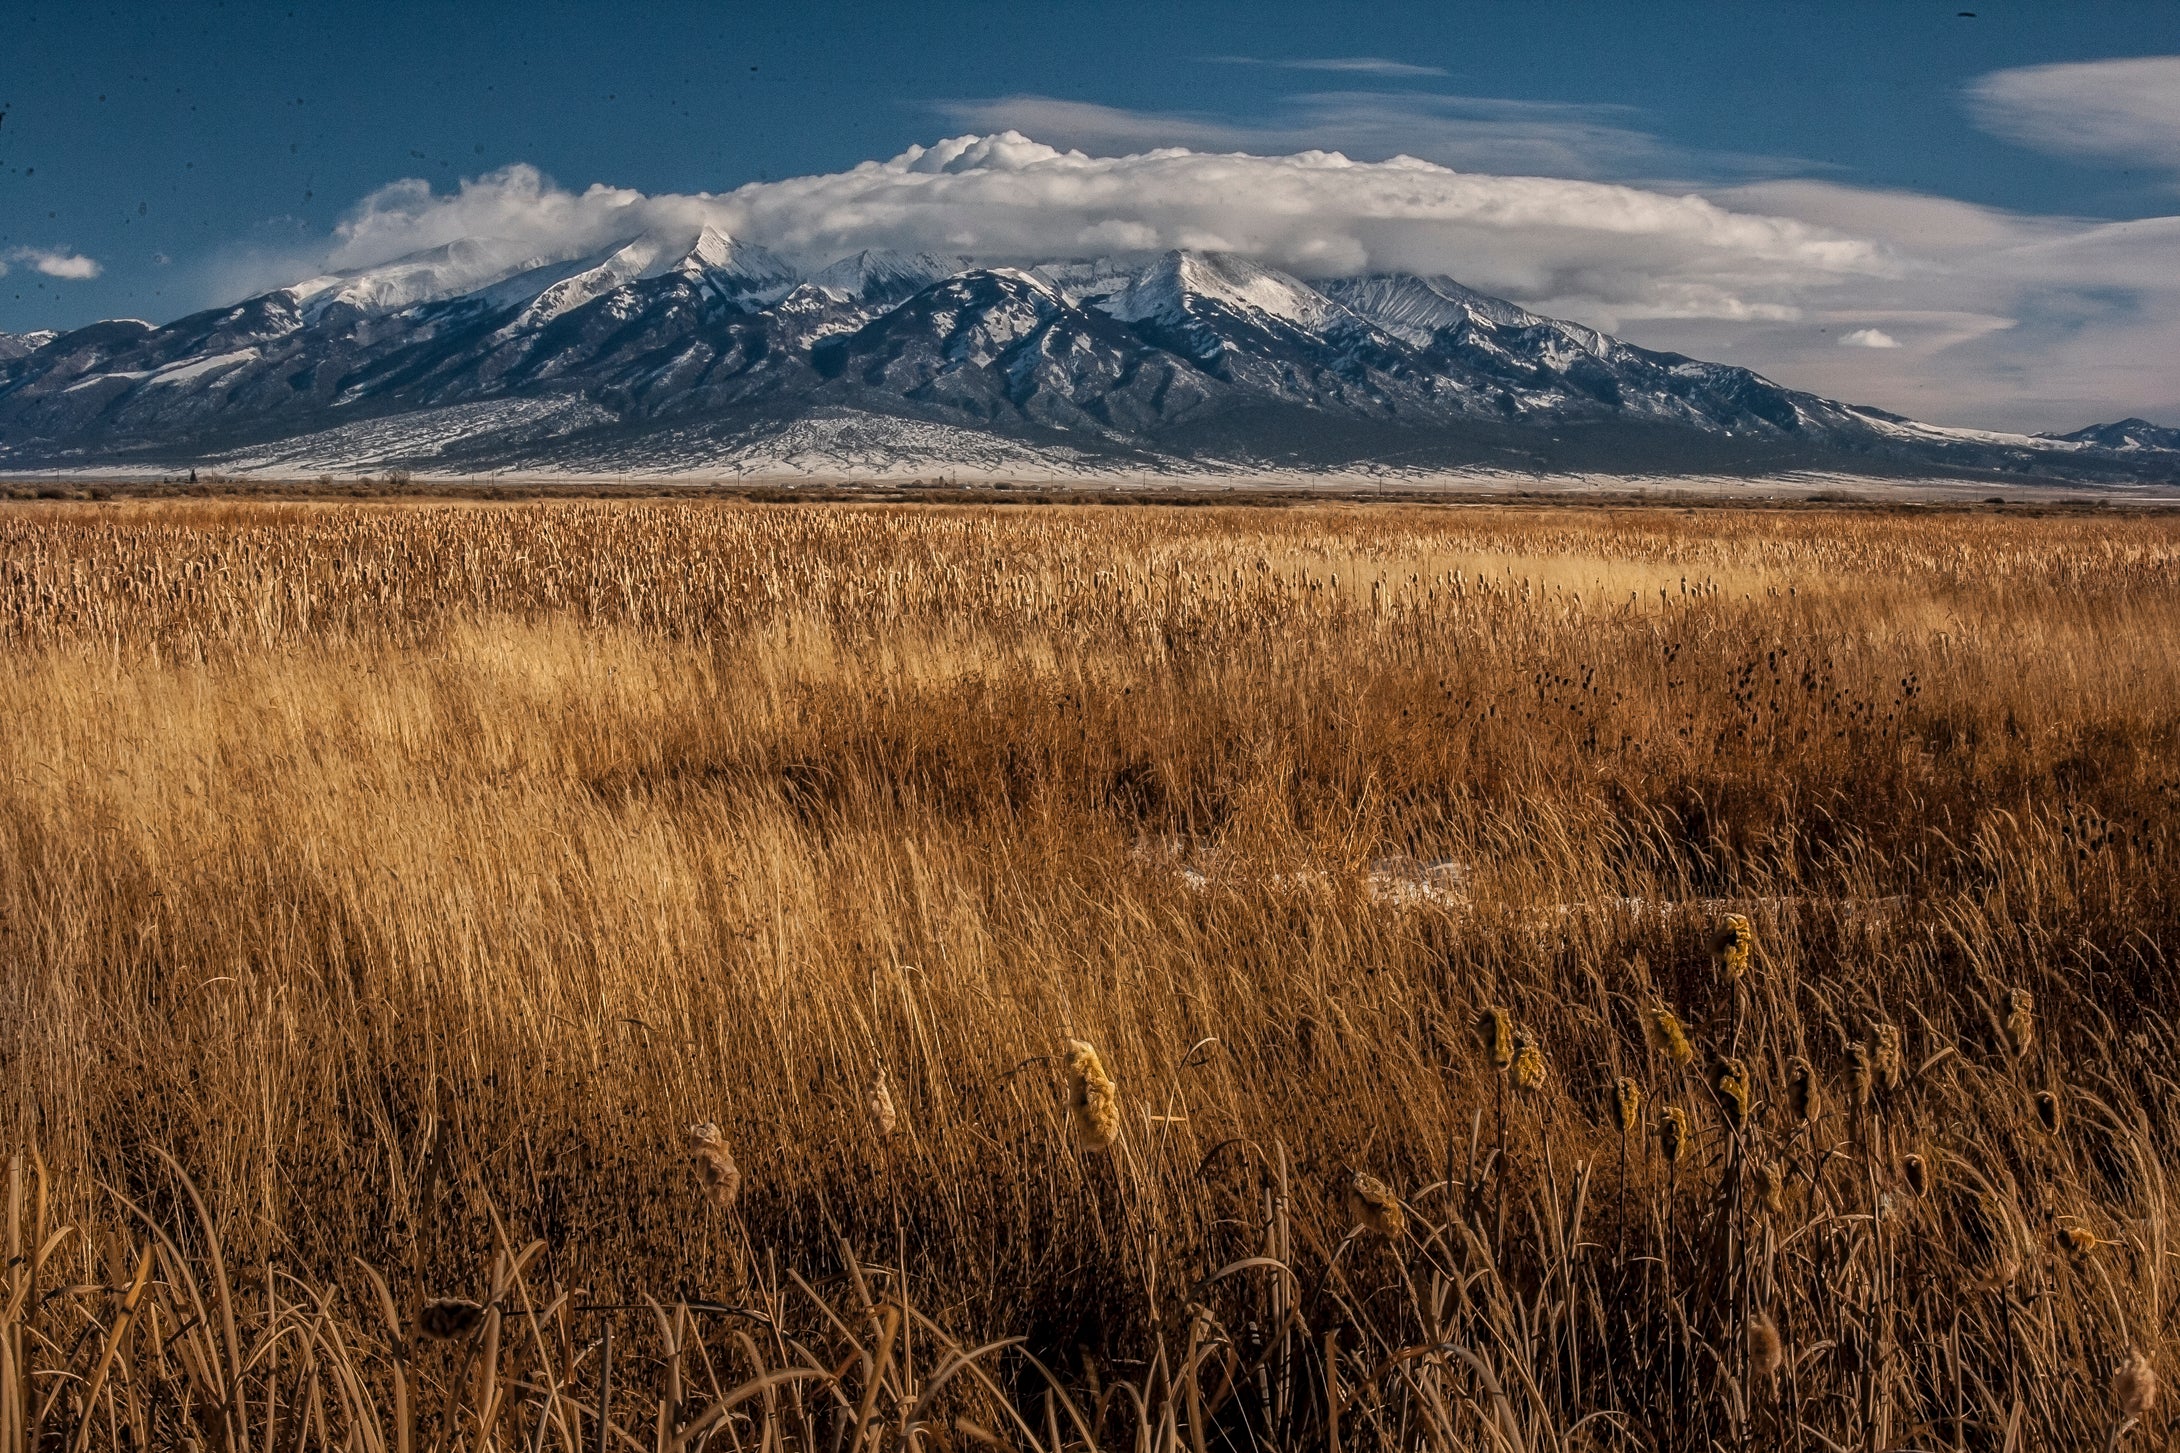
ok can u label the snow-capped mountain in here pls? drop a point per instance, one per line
(696, 350)
(2128, 436)
(17, 345)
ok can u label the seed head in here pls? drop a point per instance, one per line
(2020, 1021)
(1373, 1205)
(1766, 1354)
(715, 1168)
(1917, 1172)
(1662, 1027)
(1529, 1070)
(2134, 1387)
(1733, 944)
(1801, 1090)
(883, 1117)
(2002, 1273)
(1672, 1133)
(1885, 1054)
(2048, 1113)
(1627, 1104)
(1771, 1187)
(1730, 1082)
(1093, 1100)
(448, 1319)
(1495, 1032)
(1860, 1073)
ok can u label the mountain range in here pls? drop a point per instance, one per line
(707, 352)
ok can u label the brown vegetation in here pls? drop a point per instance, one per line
(1330, 977)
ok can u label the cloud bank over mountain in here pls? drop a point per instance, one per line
(1988, 317)
(1573, 246)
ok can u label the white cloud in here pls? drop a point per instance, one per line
(1468, 133)
(1599, 250)
(2115, 110)
(1358, 65)
(2004, 320)
(53, 262)
(1868, 338)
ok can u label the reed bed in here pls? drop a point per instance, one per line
(1057, 978)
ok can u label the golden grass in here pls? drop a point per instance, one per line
(418, 876)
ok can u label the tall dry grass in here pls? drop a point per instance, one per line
(416, 877)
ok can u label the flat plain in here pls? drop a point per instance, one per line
(1515, 976)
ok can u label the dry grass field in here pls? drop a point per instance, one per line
(1339, 977)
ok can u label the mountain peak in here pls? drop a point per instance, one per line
(1165, 291)
(878, 275)
(737, 269)
(432, 275)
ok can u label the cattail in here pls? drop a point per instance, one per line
(722, 1178)
(883, 1117)
(2077, 1240)
(1860, 1073)
(1885, 1054)
(1529, 1069)
(1095, 1099)
(2134, 1387)
(2047, 1111)
(1730, 1082)
(2020, 1021)
(1766, 1354)
(1918, 1174)
(1373, 1204)
(1733, 944)
(1662, 1027)
(2004, 1273)
(1627, 1104)
(1801, 1090)
(448, 1319)
(1495, 1031)
(1673, 1133)
(1771, 1187)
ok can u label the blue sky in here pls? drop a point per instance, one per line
(2013, 193)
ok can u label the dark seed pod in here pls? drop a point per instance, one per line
(449, 1319)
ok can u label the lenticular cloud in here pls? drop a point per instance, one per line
(1602, 250)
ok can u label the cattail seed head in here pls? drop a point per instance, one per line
(1730, 1082)
(715, 1167)
(1766, 1353)
(2134, 1387)
(1627, 1104)
(1093, 1100)
(1860, 1073)
(1673, 1133)
(883, 1117)
(1801, 1090)
(1917, 1171)
(1663, 1029)
(448, 1319)
(1733, 945)
(1495, 1032)
(1771, 1187)
(1373, 1205)
(2003, 1273)
(1529, 1070)
(2020, 1021)
(1885, 1054)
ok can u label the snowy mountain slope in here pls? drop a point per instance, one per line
(664, 351)
(2127, 436)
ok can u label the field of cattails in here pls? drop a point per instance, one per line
(711, 975)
